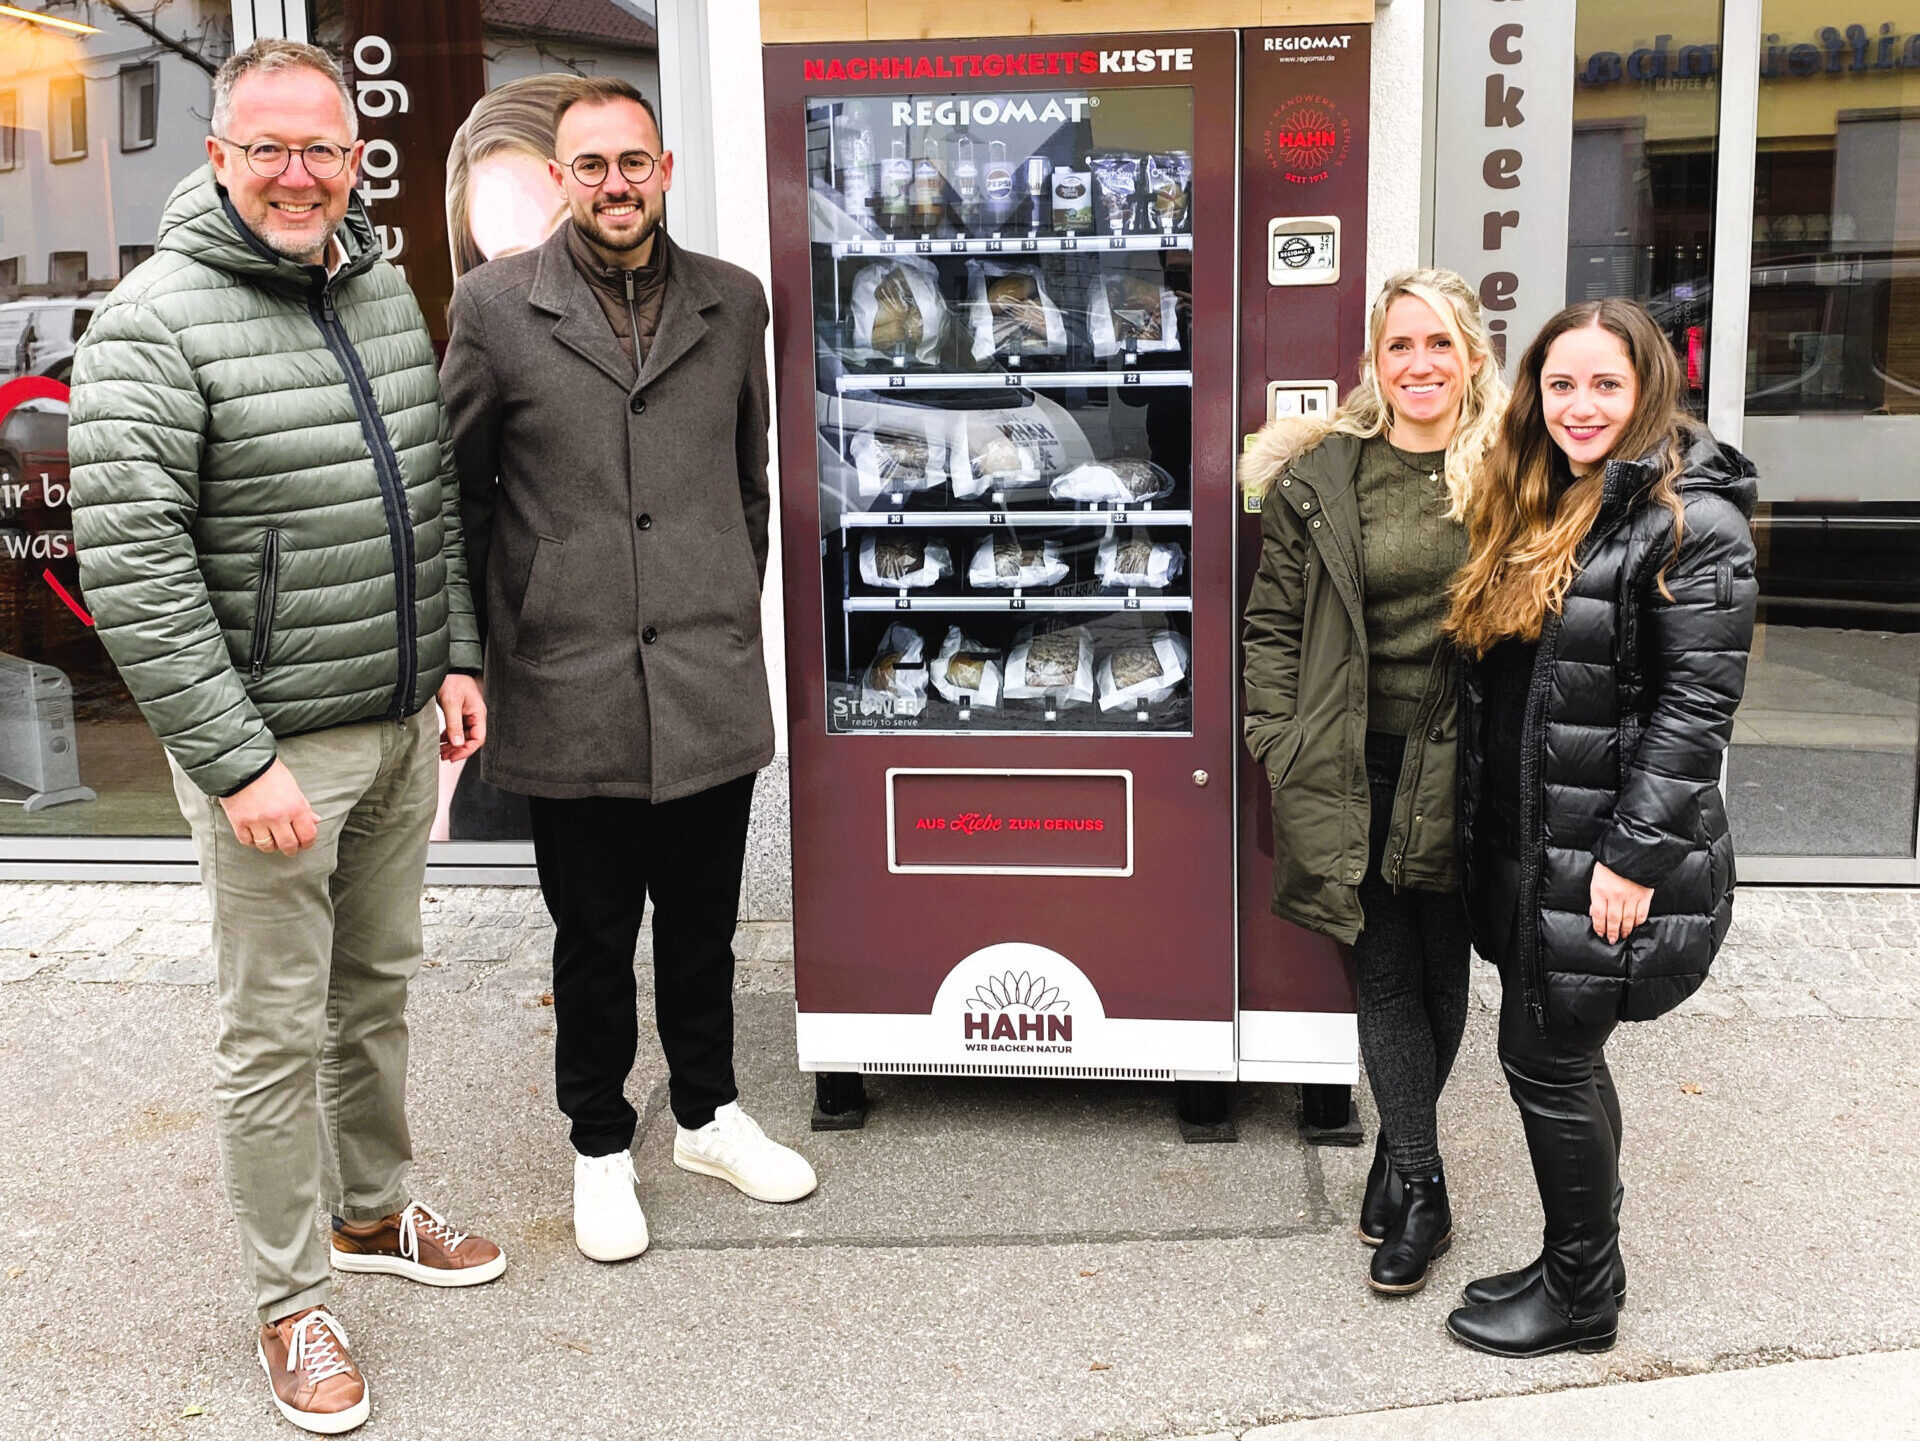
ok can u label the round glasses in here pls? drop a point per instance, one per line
(591, 170)
(269, 159)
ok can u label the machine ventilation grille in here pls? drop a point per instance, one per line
(1005, 1068)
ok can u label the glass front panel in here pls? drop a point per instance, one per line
(1646, 113)
(1828, 743)
(1002, 292)
(88, 154)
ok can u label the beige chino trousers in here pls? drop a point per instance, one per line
(313, 953)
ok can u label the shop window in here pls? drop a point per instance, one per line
(139, 106)
(1828, 747)
(9, 276)
(132, 255)
(67, 270)
(9, 129)
(66, 118)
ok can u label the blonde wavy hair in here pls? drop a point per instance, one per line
(1366, 413)
(1532, 512)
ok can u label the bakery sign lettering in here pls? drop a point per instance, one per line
(958, 66)
(972, 823)
(1017, 1012)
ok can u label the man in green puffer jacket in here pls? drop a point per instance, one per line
(268, 528)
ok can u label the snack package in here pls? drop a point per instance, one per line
(1142, 671)
(1119, 177)
(1055, 664)
(896, 683)
(1072, 202)
(897, 309)
(1170, 190)
(1132, 312)
(1134, 561)
(903, 562)
(967, 671)
(1113, 482)
(1011, 311)
(886, 461)
(1003, 561)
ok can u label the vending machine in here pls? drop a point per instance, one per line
(1005, 298)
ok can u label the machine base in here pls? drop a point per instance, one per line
(1205, 1111)
(1328, 1117)
(839, 1101)
(41, 800)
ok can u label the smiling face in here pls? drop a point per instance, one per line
(1422, 374)
(1587, 394)
(512, 203)
(294, 213)
(618, 216)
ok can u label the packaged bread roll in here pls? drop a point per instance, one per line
(1004, 561)
(1011, 311)
(895, 682)
(903, 562)
(898, 311)
(890, 461)
(1134, 560)
(1052, 665)
(1113, 482)
(1001, 451)
(1142, 671)
(1129, 311)
(966, 671)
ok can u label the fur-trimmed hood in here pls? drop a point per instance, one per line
(1278, 445)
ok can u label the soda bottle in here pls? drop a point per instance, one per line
(896, 185)
(998, 186)
(966, 185)
(929, 189)
(855, 147)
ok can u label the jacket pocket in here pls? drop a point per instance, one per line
(266, 600)
(1279, 758)
(536, 601)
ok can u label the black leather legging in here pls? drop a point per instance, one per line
(1569, 1109)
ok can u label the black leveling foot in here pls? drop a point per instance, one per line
(1327, 1116)
(839, 1101)
(1205, 1110)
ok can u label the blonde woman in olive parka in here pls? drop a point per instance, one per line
(1350, 709)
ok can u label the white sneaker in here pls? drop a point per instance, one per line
(736, 1150)
(608, 1224)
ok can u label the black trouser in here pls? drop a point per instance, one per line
(1410, 965)
(1569, 1109)
(599, 859)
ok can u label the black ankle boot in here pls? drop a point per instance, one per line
(1528, 1324)
(1509, 1284)
(1384, 1198)
(1423, 1233)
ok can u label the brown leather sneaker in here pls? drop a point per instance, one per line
(419, 1244)
(315, 1383)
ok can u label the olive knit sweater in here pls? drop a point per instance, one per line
(1409, 552)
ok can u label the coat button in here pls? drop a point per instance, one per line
(1436, 734)
(644, 521)
(1316, 525)
(1305, 506)
(649, 635)
(637, 404)
(1288, 481)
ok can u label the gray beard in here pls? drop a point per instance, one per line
(318, 257)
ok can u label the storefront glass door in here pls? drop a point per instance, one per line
(1828, 743)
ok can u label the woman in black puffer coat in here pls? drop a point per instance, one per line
(1605, 613)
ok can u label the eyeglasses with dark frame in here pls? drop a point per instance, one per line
(269, 159)
(592, 170)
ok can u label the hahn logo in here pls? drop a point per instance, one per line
(1307, 139)
(1017, 1001)
(1022, 1007)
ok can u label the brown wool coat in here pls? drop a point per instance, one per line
(600, 510)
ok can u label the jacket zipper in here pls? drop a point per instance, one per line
(393, 493)
(633, 319)
(264, 602)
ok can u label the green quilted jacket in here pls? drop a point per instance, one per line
(264, 499)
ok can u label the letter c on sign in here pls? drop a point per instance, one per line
(1501, 44)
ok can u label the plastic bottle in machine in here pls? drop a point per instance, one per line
(966, 185)
(854, 145)
(998, 188)
(896, 186)
(929, 189)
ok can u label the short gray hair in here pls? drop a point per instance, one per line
(269, 57)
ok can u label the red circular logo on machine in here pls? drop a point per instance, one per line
(1307, 139)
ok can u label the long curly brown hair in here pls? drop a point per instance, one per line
(1524, 542)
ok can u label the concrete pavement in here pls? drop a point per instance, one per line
(988, 1259)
